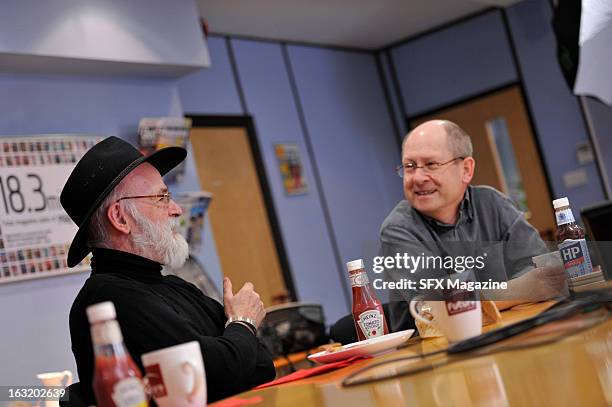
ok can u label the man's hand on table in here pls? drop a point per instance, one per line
(245, 303)
(538, 284)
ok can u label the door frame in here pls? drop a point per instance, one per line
(488, 92)
(246, 122)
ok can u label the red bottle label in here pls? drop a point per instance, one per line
(117, 383)
(129, 392)
(371, 323)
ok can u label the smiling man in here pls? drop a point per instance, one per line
(128, 220)
(438, 185)
(443, 210)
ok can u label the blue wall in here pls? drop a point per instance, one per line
(36, 104)
(451, 64)
(269, 98)
(353, 142)
(212, 90)
(395, 102)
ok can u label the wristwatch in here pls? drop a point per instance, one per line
(250, 323)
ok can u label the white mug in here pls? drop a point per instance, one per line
(176, 376)
(457, 320)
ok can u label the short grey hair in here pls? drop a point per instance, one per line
(459, 142)
(97, 232)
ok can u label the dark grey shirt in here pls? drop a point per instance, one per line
(487, 219)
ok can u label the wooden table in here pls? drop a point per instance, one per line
(573, 371)
(291, 363)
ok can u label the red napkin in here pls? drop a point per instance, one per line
(237, 402)
(313, 371)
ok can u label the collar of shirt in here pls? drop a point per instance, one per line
(466, 212)
(128, 264)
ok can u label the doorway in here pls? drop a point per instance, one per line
(242, 215)
(505, 151)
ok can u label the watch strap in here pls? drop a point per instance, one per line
(247, 321)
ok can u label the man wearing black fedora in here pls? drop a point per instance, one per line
(127, 220)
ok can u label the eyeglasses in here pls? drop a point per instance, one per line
(163, 198)
(429, 168)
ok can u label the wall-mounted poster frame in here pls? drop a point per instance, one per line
(291, 169)
(35, 232)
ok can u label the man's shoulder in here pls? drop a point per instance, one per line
(97, 282)
(496, 210)
(109, 281)
(402, 224)
(488, 194)
(401, 216)
(183, 284)
(485, 197)
(97, 288)
(178, 282)
(106, 287)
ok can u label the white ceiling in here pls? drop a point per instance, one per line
(353, 23)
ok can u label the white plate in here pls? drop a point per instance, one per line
(369, 347)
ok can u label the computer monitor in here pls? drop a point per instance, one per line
(598, 222)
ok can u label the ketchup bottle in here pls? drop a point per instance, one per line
(117, 380)
(367, 311)
(570, 240)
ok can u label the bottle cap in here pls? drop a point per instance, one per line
(560, 203)
(355, 265)
(103, 311)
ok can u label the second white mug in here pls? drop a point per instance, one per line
(457, 320)
(176, 376)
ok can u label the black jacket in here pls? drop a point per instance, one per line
(155, 312)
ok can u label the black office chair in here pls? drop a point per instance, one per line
(343, 330)
(293, 327)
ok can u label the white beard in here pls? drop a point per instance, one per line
(159, 242)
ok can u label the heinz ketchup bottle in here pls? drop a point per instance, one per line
(117, 380)
(367, 311)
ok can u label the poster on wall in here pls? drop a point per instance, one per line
(35, 232)
(290, 165)
(155, 133)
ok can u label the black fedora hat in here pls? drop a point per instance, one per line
(99, 171)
